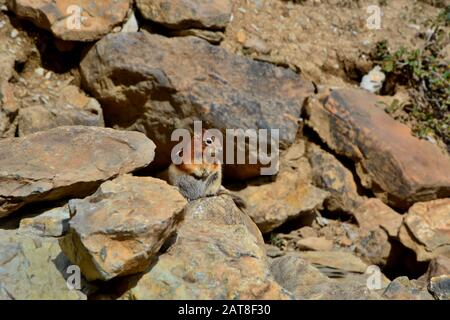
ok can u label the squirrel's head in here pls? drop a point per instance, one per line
(204, 152)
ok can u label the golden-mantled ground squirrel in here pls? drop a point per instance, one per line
(197, 176)
(202, 178)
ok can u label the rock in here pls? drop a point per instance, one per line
(273, 251)
(256, 45)
(373, 81)
(12, 52)
(8, 111)
(440, 287)
(272, 203)
(85, 20)
(426, 229)
(373, 213)
(71, 108)
(131, 25)
(183, 79)
(339, 260)
(307, 232)
(214, 37)
(315, 244)
(39, 71)
(218, 253)
(398, 167)
(373, 246)
(184, 14)
(306, 282)
(52, 223)
(119, 229)
(439, 266)
(33, 268)
(331, 175)
(14, 33)
(66, 162)
(349, 287)
(296, 275)
(402, 288)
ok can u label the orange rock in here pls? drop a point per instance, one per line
(81, 20)
(373, 213)
(399, 168)
(218, 254)
(184, 14)
(66, 162)
(426, 229)
(118, 230)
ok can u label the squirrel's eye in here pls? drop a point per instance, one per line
(180, 153)
(209, 141)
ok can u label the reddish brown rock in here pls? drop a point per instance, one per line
(66, 162)
(398, 167)
(426, 229)
(373, 213)
(81, 20)
(331, 175)
(218, 254)
(273, 201)
(118, 230)
(402, 288)
(183, 79)
(183, 14)
(373, 246)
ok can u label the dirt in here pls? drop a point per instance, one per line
(327, 40)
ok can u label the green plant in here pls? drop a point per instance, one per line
(275, 240)
(426, 73)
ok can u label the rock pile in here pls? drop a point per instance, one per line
(359, 208)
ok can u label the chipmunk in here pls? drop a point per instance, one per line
(204, 178)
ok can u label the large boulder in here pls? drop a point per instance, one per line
(218, 253)
(66, 162)
(71, 107)
(307, 282)
(155, 84)
(426, 229)
(81, 20)
(273, 201)
(183, 14)
(119, 229)
(33, 268)
(403, 288)
(398, 167)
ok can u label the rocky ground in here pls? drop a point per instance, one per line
(360, 208)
